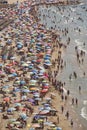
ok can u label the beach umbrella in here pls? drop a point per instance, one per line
(16, 122)
(48, 52)
(44, 90)
(33, 89)
(14, 74)
(40, 74)
(24, 97)
(38, 61)
(46, 87)
(47, 58)
(37, 99)
(1, 65)
(36, 95)
(24, 87)
(31, 100)
(44, 81)
(36, 125)
(7, 99)
(10, 75)
(5, 87)
(25, 65)
(47, 108)
(22, 82)
(32, 84)
(12, 58)
(17, 104)
(25, 90)
(11, 120)
(6, 90)
(23, 116)
(47, 63)
(30, 66)
(13, 71)
(35, 71)
(11, 109)
(33, 81)
(9, 41)
(43, 112)
(19, 46)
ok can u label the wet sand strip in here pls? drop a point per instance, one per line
(66, 2)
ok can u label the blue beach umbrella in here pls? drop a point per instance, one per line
(22, 82)
(23, 116)
(14, 74)
(1, 65)
(25, 91)
(5, 87)
(30, 66)
(9, 41)
(11, 109)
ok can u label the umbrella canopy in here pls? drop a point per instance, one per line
(11, 120)
(7, 99)
(33, 81)
(44, 112)
(25, 65)
(25, 90)
(33, 89)
(44, 90)
(16, 122)
(22, 82)
(32, 84)
(17, 104)
(5, 87)
(11, 109)
(36, 125)
(23, 116)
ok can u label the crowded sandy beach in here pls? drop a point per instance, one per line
(30, 58)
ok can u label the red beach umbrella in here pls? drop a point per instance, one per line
(44, 90)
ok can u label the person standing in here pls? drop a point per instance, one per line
(71, 123)
(62, 108)
(58, 119)
(67, 115)
(79, 89)
(72, 101)
(76, 101)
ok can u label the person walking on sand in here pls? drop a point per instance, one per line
(79, 89)
(72, 101)
(68, 92)
(62, 97)
(57, 119)
(67, 115)
(71, 123)
(62, 108)
(76, 101)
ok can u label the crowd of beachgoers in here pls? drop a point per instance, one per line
(30, 58)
